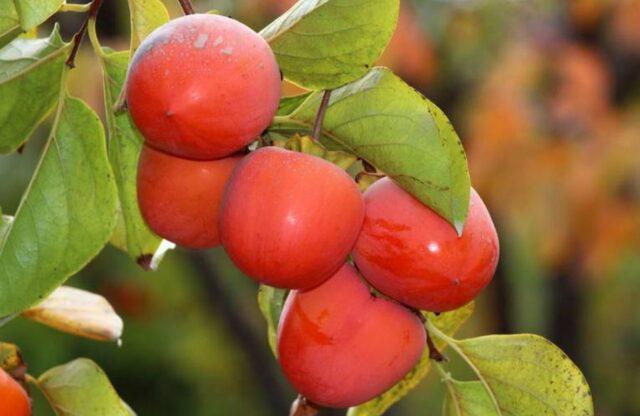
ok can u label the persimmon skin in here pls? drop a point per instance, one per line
(410, 253)
(289, 219)
(339, 346)
(180, 198)
(14, 400)
(202, 86)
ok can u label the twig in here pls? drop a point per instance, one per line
(77, 38)
(303, 407)
(317, 126)
(187, 8)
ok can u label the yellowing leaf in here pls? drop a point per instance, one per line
(529, 375)
(78, 312)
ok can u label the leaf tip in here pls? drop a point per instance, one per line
(459, 226)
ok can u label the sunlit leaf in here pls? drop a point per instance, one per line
(529, 375)
(323, 44)
(146, 16)
(81, 388)
(34, 12)
(469, 398)
(125, 143)
(78, 312)
(30, 74)
(66, 215)
(447, 322)
(9, 22)
(384, 121)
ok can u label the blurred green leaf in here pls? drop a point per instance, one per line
(469, 398)
(448, 322)
(288, 104)
(81, 388)
(529, 375)
(146, 16)
(271, 302)
(34, 12)
(323, 44)
(125, 143)
(30, 75)
(384, 121)
(9, 22)
(66, 215)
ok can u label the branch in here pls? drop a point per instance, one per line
(317, 127)
(187, 8)
(77, 38)
(221, 304)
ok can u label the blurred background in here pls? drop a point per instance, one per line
(546, 98)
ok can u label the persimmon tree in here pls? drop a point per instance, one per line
(289, 216)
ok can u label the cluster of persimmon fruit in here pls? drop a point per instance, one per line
(202, 88)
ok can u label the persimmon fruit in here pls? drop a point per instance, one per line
(180, 198)
(289, 219)
(202, 86)
(14, 400)
(410, 253)
(340, 346)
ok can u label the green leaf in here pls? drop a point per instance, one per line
(271, 301)
(323, 44)
(390, 125)
(146, 16)
(469, 398)
(81, 388)
(34, 12)
(9, 22)
(5, 225)
(30, 75)
(529, 375)
(448, 322)
(288, 104)
(66, 215)
(125, 143)
(305, 144)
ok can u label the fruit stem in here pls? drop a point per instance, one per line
(303, 407)
(434, 354)
(187, 8)
(317, 126)
(77, 38)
